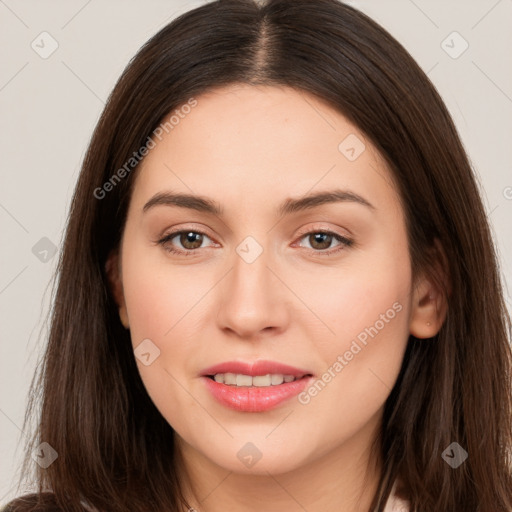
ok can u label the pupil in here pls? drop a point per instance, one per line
(321, 238)
(190, 238)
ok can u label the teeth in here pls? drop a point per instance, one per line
(238, 379)
(243, 380)
(229, 378)
(274, 379)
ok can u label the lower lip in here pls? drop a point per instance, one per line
(255, 399)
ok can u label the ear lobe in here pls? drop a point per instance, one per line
(429, 300)
(113, 272)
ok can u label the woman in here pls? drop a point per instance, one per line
(278, 288)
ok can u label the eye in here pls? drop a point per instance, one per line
(189, 239)
(321, 240)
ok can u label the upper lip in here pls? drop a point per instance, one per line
(255, 368)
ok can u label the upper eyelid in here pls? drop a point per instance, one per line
(301, 233)
(315, 228)
(173, 233)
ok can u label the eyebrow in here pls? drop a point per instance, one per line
(290, 205)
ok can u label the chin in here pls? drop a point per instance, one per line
(259, 456)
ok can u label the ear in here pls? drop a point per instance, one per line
(113, 271)
(430, 299)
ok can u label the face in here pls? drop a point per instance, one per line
(260, 274)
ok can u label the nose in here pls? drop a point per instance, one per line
(253, 301)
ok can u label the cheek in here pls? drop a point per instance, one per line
(368, 310)
(160, 298)
(161, 304)
(368, 323)
(368, 292)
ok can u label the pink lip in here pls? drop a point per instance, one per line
(255, 368)
(255, 399)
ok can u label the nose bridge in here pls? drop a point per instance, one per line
(251, 267)
(252, 297)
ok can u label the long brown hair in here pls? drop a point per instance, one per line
(115, 450)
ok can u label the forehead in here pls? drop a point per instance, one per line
(258, 142)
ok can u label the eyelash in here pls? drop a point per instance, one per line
(345, 242)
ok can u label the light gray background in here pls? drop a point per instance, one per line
(49, 108)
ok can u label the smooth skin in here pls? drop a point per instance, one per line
(249, 149)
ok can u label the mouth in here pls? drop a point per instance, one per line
(254, 387)
(253, 369)
(259, 381)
